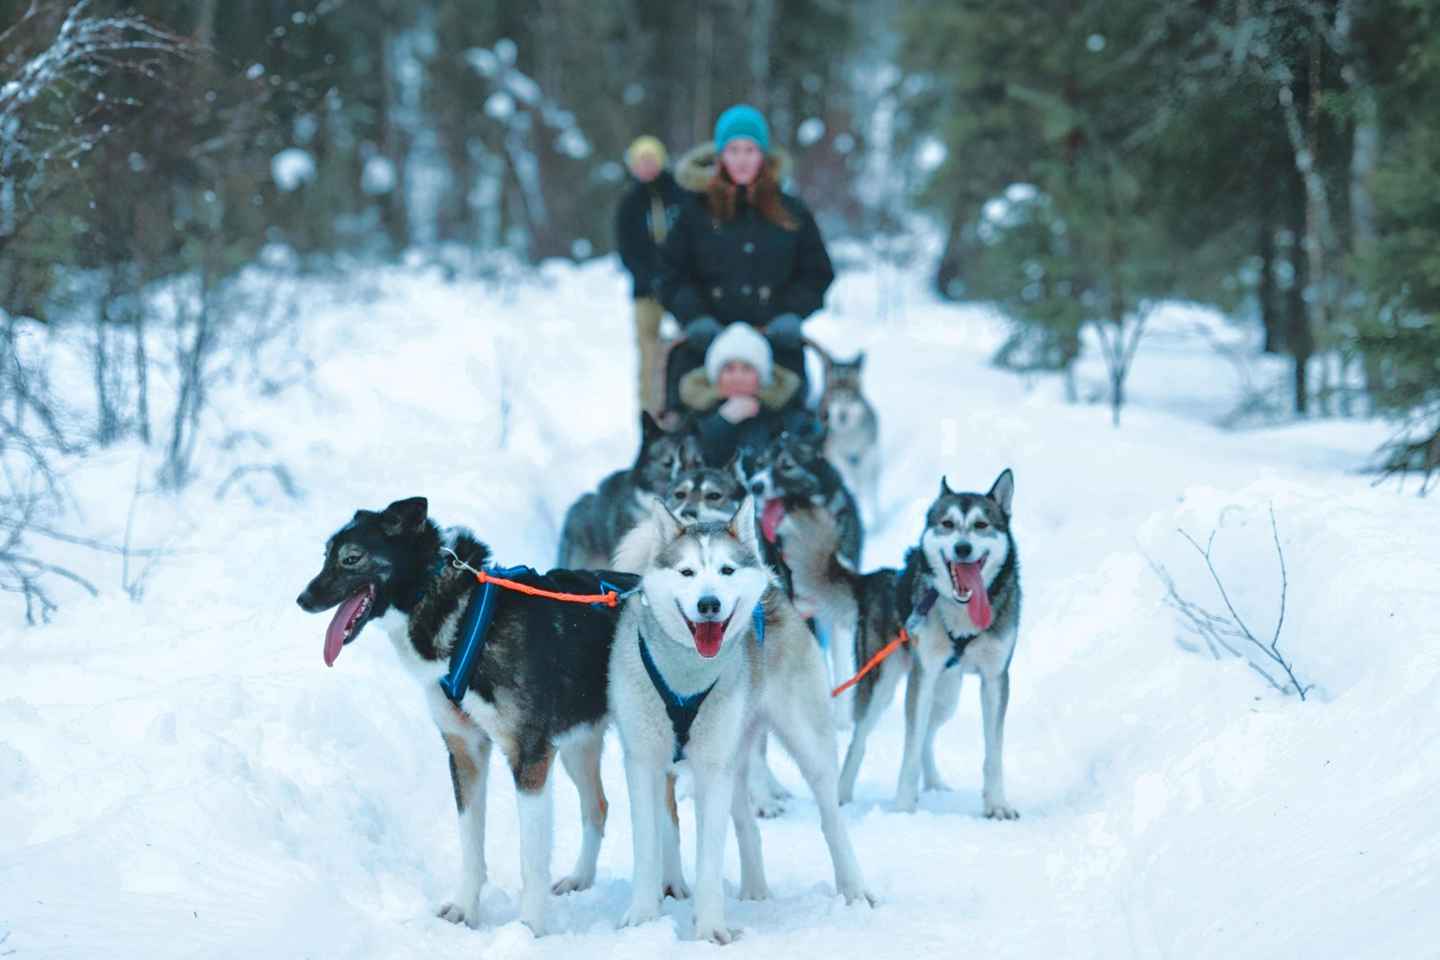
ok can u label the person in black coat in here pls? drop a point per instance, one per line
(743, 251)
(741, 399)
(642, 222)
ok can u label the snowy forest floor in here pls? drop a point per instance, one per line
(181, 777)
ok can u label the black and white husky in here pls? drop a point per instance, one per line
(596, 522)
(537, 687)
(707, 655)
(959, 597)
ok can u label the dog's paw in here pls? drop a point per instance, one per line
(754, 891)
(640, 913)
(768, 808)
(455, 913)
(718, 934)
(860, 895)
(572, 884)
(1001, 811)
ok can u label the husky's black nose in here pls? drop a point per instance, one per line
(757, 488)
(708, 605)
(963, 549)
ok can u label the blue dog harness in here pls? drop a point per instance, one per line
(474, 630)
(958, 642)
(475, 627)
(682, 710)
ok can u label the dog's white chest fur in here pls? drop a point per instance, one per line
(427, 673)
(988, 652)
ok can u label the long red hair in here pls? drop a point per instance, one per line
(720, 193)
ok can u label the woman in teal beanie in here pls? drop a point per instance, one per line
(743, 251)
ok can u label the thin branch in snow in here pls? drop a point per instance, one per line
(1270, 652)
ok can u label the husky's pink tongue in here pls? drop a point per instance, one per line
(770, 518)
(339, 628)
(967, 576)
(708, 636)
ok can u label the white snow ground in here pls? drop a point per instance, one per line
(182, 777)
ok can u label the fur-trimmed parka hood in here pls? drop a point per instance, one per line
(697, 165)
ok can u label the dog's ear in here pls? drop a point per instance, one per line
(667, 525)
(945, 490)
(742, 525)
(404, 516)
(649, 429)
(734, 468)
(692, 457)
(860, 360)
(1003, 492)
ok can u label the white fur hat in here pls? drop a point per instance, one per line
(740, 341)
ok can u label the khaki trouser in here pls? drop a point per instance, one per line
(647, 335)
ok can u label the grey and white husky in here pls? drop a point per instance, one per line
(852, 432)
(596, 522)
(958, 596)
(705, 656)
(703, 493)
(537, 688)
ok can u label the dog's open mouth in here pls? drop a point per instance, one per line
(770, 517)
(708, 635)
(968, 579)
(348, 619)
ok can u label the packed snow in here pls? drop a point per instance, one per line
(182, 777)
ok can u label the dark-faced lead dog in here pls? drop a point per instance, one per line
(959, 597)
(538, 686)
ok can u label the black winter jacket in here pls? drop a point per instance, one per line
(634, 229)
(744, 270)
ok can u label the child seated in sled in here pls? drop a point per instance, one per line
(741, 398)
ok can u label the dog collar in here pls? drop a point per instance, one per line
(680, 710)
(431, 575)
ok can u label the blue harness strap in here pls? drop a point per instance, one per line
(917, 617)
(681, 710)
(474, 629)
(958, 645)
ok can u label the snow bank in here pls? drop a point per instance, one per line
(182, 777)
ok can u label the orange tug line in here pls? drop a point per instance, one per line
(874, 662)
(610, 598)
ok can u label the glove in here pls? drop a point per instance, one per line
(784, 332)
(701, 331)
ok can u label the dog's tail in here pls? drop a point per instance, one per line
(810, 544)
(572, 531)
(637, 550)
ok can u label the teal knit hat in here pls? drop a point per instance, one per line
(742, 120)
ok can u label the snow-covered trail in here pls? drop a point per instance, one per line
(183, 777)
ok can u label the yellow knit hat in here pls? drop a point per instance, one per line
(646, 146)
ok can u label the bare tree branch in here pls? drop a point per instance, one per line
(1218, 630)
